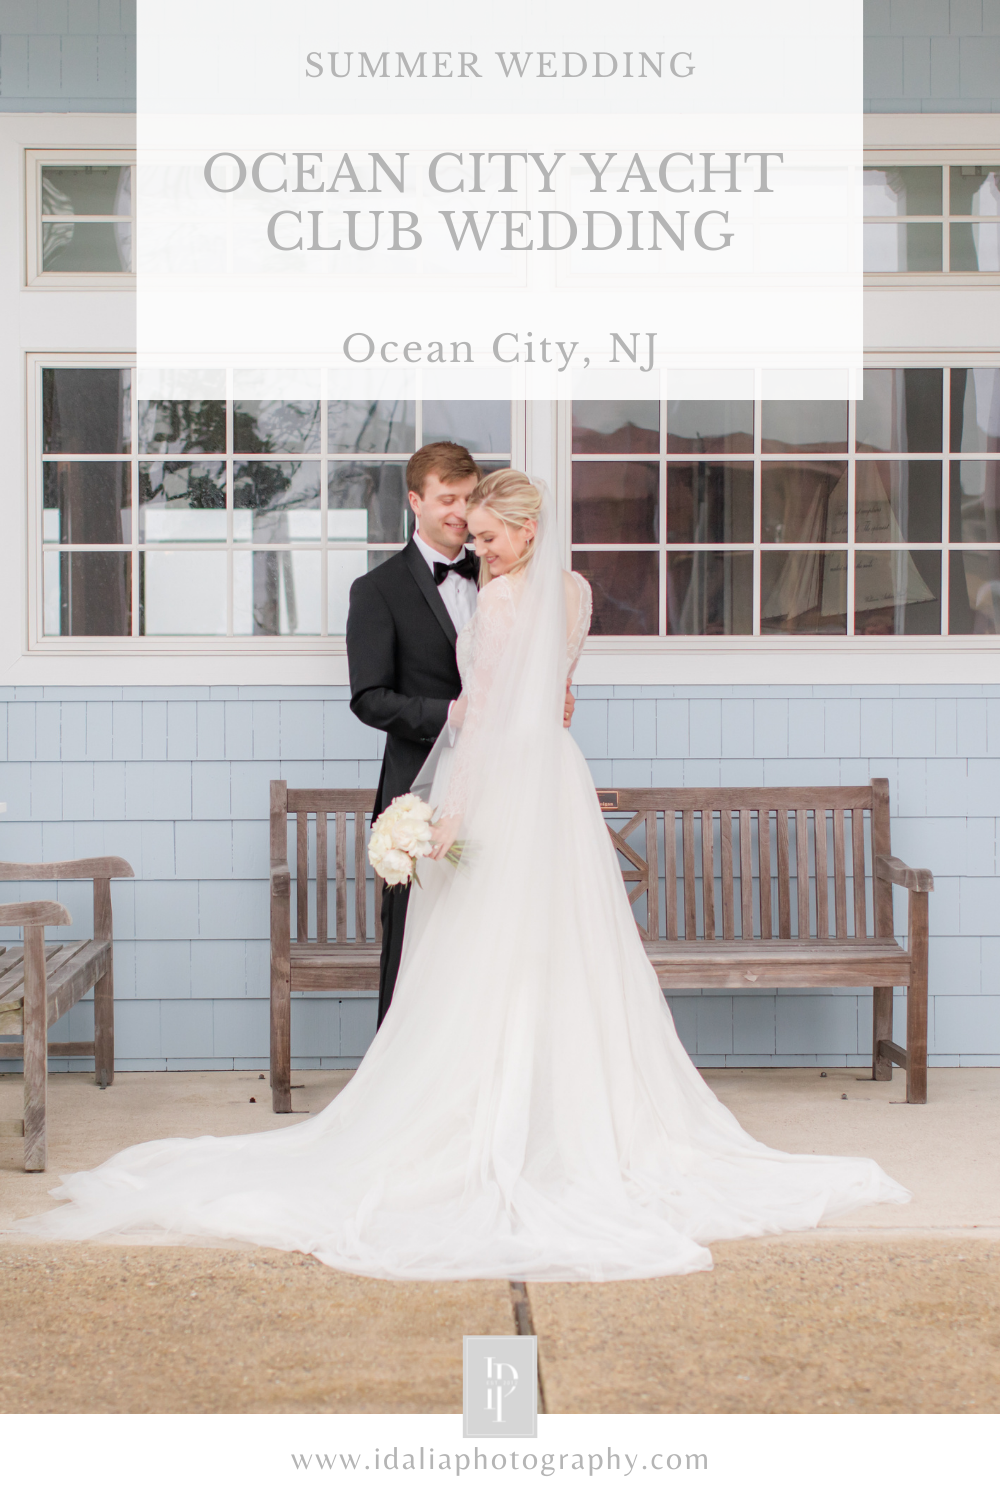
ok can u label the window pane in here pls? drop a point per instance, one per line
(710, 502)
(276, 593)
(900, 412)
(975, 500)
(975, 190)
(804, 502)
(371, 426)
(803, 593)
(72, 246)
(281, 500)
(86, 411)
(98, 189)
(975, 247)
(897, 593)
(182, 593)
(276, 426)
(87, 503)
(897, 191)
(87, 593)
(898, 500)
(709, 593)
(341, 570)
(182, 427)
(709, 426)
(181, 502)
(902, 247)
(616, 427)
(974, 597)
(480, 426)
(975, 411)
(626, 591)
(804, 426)
(367, 502)
(616, 502)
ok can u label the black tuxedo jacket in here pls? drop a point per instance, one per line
(401, 656)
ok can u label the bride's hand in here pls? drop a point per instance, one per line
(456, 717)
(444, 831)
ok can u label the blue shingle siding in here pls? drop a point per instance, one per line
(176, 781)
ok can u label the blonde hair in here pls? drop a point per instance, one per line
(513, 499)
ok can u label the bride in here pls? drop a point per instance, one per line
(526, 1109)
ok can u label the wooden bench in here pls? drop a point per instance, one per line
(39, 982)
(738, 902)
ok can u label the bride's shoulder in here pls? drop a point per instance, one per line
(495, 596)
(576, 586)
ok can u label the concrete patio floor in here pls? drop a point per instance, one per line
(889, 1310)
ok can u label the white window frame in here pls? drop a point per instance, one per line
(35, 158)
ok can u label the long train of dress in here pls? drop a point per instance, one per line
(527, 1109)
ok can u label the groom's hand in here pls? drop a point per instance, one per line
(568, 707)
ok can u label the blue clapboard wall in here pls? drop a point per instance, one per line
(176, 781)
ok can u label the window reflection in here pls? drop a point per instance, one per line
(804, 426)
(371, 426)
(975, 411)
(341, 570)
(616, 427)
(900, 412)
(276, 427)
(182, 502)
(86, 503)
(72, 245)
(898, 500)
(709, 593)
(283, 500)
(182, 593)
(86, 411)
(975, 190)
(276, 593)
(975, 247)
(902, 247)
(804, 502)
(710, 502)
(626, 591)
(709, 426)
(480, 426)
(616, 502)
(894, 192)
(182, 427)
(803, 593)
(367, 502)
(897, 593)
(87, 593)
(975, 500)
(101, 188)
(974, 593)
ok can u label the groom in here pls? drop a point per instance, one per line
(402, 625)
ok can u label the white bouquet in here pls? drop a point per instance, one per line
(400, 836)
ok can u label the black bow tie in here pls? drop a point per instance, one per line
(465, 567)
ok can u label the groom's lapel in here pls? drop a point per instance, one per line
(425, 583)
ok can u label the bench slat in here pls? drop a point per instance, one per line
(822, 874)
(746, 874)
(784, 875)
(708, 871)
(360, 882)
(728, 894)
(341, 856)
(302, 875)
(670, 869)
(764, 866)
(322, 899)
(802, 869)
(690, 904)
(839, 874)
(858, 871)
(652, 878)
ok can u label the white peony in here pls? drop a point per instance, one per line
(395, 867)
(399, 837)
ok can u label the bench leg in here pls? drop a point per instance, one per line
(281, 1044)
(881, 1031)
(35, 1049)
(916, 1002)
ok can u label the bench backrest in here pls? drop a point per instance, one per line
(745, 862)
(723, 862)
(346, 815)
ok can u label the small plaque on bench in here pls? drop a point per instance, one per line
(608, 801)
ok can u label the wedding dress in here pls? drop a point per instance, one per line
(526, 1109)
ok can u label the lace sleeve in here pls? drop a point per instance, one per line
(489, 632)
(578, 629)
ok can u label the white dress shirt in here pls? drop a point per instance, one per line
(458, 595)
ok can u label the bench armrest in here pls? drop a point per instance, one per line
(34, 914)
(106, 867)
(891, 868)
